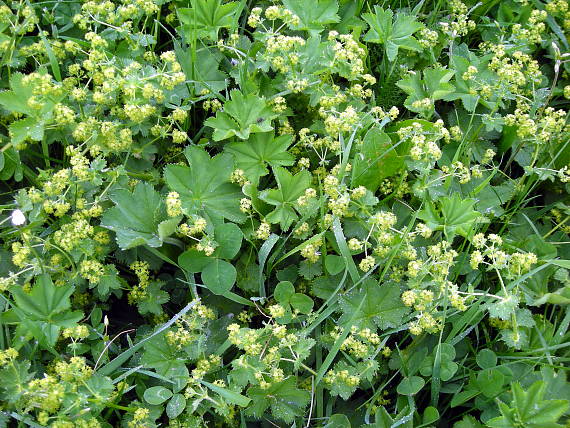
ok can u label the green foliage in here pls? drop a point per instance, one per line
(528, 408)
(310, 214)
(206, 18)
(393, 32)
(136, 216)
(243, 115)
(289, 188)
(204, 186)
(253, 156)
(373, 306)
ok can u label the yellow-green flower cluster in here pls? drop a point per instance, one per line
(488, 251)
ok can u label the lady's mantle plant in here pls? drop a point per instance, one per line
(284, 213)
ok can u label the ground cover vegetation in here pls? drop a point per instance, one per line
(290, 213)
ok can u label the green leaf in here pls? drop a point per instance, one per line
(16, 100)
(334, 264)
(26, 129)
(382, 306)
(457, 215)
(231, 396)
(157, 395)
(242, 115)
(302, 303)
(467, 422)
(45, 300)
(340, 388)
(167, 227)
(393, 35)
(375, 160)
(175, 406)
(193, 261)
(315, 17)
(205, 185)
(154, 346)
(229, 237)
(13, 376)
(161, 356)
(490, 382)
(283, 292)
(219, 276)
(202, 67)
(109, 282)
(136, 216)
(290, 187)
(260, 150)
(434, 85)
(153, 300)
(206, 17)
(337, 421)
(528, 409)
(410, 385)
(286, 401)
(486, 359)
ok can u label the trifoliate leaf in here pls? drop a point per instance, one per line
(262, 149)
(241, 116)
(136, 216)
(157, 395)
(175, 406)
(283, 292)
(301, 302)
(229, 237)
(410, 385)
(381, 306)
(204, 186)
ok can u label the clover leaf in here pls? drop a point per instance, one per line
(286, 296)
